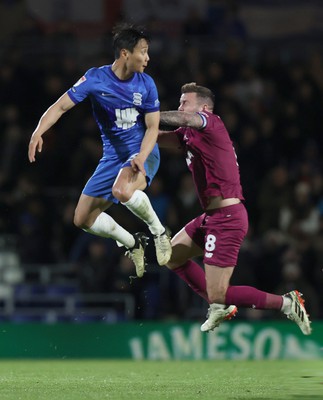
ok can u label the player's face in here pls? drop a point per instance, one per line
(188, 102)
(138, 60)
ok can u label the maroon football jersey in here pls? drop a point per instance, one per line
(211, 158)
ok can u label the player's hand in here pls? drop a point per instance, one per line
(35, 144)
(137, 164)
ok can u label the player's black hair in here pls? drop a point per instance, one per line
(202, 92)
(126, 36)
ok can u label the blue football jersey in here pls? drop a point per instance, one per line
(118, 106)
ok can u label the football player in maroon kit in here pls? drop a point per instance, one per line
(218, 233)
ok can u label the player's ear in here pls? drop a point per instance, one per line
(124, 53)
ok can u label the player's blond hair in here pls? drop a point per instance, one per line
(202, 93)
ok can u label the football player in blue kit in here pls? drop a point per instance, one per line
(126, 108)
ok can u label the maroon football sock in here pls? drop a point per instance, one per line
(194, 276)
(250, 297)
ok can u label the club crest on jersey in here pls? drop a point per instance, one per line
(137, 99)
(189, 157)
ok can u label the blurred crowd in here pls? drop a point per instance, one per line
(272, 107)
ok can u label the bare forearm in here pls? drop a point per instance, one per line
(151, 134)
(180, 118)
(47, 120)
(53, 114)
(148, 141)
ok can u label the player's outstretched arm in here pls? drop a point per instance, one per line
(181, 118)
(47, 120)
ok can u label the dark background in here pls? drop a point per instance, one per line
(264, 64)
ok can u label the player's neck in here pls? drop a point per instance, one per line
(121, 70)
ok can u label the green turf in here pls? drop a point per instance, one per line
(141, 380)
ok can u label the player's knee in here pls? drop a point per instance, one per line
(79, 221)
(121, 193)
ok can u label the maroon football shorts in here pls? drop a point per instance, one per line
(220, 233)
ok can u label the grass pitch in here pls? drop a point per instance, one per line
(153, 380)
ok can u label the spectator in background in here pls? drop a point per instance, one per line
(194, 25)
(159, 199)
(300, 216)
(96, 270)
(34, 228)
(234, 27)
(292, 276)
(274, 194)
(122, 284)
(185, 204)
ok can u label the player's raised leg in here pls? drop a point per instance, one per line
(90, 216)
(291, 304)
(183, 251)
(128, 189)
(181, 263)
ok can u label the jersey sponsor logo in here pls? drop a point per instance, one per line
(157, 103)
(137, 99)
(126, 118)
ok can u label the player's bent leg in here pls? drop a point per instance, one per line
(140, 205)
(183, 249)
(88, 209)
(128, 189)
(126, 183)
(217, 282)
(90, 217)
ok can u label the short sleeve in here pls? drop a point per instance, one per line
(82, 88)
(152, 103)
